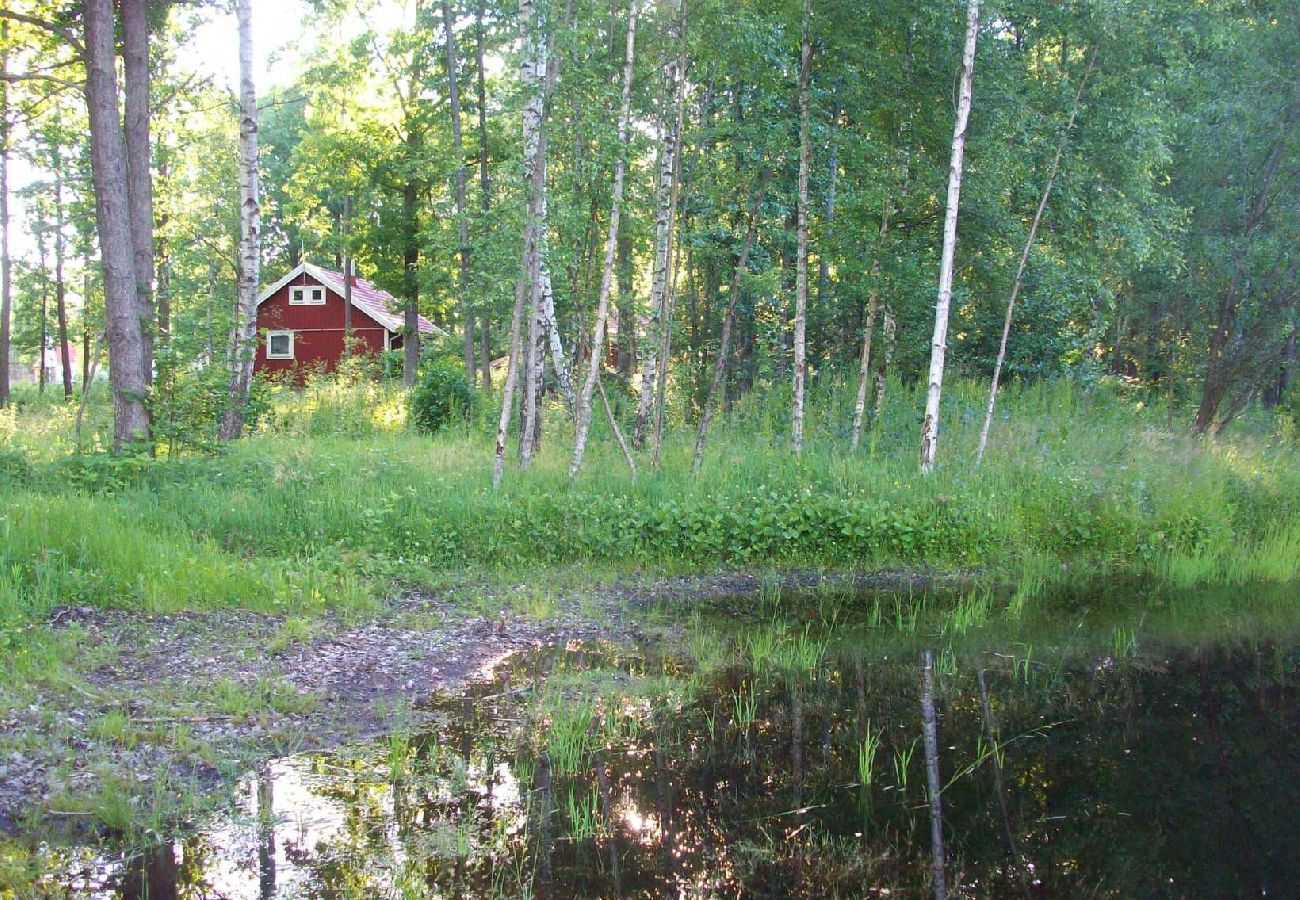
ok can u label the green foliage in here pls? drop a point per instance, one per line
(442, 395)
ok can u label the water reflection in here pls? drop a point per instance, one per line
(782, 769)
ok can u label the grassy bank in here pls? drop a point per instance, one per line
(334, 499)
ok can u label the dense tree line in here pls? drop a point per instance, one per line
(672, 203)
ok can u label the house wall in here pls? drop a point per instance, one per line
(318, 331)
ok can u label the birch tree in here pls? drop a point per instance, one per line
(462, 218)
(1061, 144)
(485, 179)
(659, 326)
(801, 261)
(582, 413)
(245, 341)
(673, 263)
(873, 307)
(6, 275)
(939, 343)
(532, 76)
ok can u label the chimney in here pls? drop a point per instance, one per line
(351, 273)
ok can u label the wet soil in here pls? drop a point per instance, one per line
(196, 697)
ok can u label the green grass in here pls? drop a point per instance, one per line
(333, 503)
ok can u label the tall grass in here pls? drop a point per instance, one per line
(334, 494)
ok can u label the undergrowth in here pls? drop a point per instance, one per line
(334, 499)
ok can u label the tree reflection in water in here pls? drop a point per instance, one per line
(1175, 774)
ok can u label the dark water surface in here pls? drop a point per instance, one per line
(772, 760)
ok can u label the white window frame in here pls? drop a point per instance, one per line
(271, 335)
(301, 295)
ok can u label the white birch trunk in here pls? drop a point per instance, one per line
(245, 345)
(882, 374)
(801, 259)
(678, 79)
(551, 329)
(939, 343)
(582, 412)
(658, 289)
(873, 306)
(934, 785)
(1024, 261)
(462, 218)
(532, 76)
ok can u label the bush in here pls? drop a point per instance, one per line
(442, 395)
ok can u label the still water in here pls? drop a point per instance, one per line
(763, 758)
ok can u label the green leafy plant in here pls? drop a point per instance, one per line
(442, 395)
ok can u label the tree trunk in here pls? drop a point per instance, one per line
(882, 375)
(626, 308)
(6, 278)
(658, 293)
(462, 219)
(832, 185)
(112, 213)
(873, 306)
(250, 233)
(1061, 144)
(930, 732)
(347, 274)
(41, 376)
(939, 343)
(60, 286)
(411, 274)
(485, 182)
(532, 77)
(582, 415)
(674, 250)
(136, 77)
(724, 344)
(801, 251)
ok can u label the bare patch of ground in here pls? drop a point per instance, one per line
(173, 703)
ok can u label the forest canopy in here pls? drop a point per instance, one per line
(688, 199)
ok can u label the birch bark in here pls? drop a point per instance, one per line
(930, 731)
(462, 220)
(250, 213)
(674, 249)
(485, 181)
(6, 278)
(873, 306)
(582, 413)
(801, 251)
(532, 76)
(939, 343)
(60, 285)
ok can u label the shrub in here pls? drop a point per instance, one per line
(442, 395)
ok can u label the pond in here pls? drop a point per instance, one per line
(759, 755)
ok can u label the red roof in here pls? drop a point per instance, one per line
(379, 305)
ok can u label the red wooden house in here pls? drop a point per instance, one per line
(300, 321)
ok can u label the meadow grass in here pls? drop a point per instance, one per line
(333, 500)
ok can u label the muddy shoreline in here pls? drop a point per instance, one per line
(196, 699)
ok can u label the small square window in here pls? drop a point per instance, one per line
(307, 296)
(279, 345)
